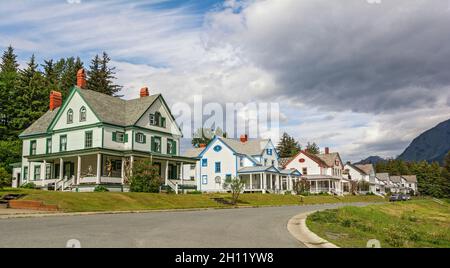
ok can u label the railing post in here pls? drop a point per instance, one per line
(176, 188)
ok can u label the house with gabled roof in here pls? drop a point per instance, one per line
(363, 173)
(410, 183)
(93, 139)
(323, 171)
(254, 161)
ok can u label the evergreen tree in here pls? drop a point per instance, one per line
(287, 146)
(312, 148)
(8, 83)
(205, 135)
(101, 77)
(69, 75)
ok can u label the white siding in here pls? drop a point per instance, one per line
(75, 104)
(158, 106)
(312, 167)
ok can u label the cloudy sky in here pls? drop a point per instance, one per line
(363, 77)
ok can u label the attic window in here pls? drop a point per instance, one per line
(70, 116)
(83, 114)
(157, 120)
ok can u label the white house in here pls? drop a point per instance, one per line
(254, 161)
(382, 182)
(93, 139)
(362, 173)
(323, 171)
(410, 182)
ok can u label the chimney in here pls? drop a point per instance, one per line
(327, 150)
(244, 138)
(81, 78)
(55, 100)
(202, 145)
(144, 92)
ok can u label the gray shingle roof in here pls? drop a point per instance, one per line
(283, 161)
(366, 168)
(382, 176)
(251, 147)
(109, 109)
(193, 152)
(117, 111)
(328, 159)
(410, 178)
(395, 179)
(41, 125)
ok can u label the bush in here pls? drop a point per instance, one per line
(145, 177)
(100, 189)
(5, 178)
(288, 193)
(370, 193)
(29, 185)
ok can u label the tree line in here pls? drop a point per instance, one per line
(24, 93)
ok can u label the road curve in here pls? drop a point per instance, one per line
(231, 228)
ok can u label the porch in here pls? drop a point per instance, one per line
(327, 184)
(267, 182)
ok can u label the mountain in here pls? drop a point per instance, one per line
(432, 145)
(371, 160)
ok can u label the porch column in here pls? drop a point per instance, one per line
(262, 181)
(181, 176)
(61, 171)
(166, 173)
(122, 173)
(78, 177)
(131, 164)
(99, 168)
(251, 181)
(317, 187)
(44, 170)
(329, 185)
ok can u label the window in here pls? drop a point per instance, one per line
(265, 162)
(171, 147)
(156, 144)
(49, 146)
(218, 167)
(305, 171)
(241, 161)
(228, 177)
(37, 173)
(193, 167)
(83, 114)
(119, 137)
(269, 151)
(88, 139)
(192, 178)
(63, 143)
(25, 173)
(48, 172)
(273, 162)
(152, 120)
(70, 116)
(157, 120)
(217, 148)
(141, 138)
(204, 179)
(204, 162)
(33, 145)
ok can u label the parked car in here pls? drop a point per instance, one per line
(395, 197)
(406, 197)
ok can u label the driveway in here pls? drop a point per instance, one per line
(234, 228)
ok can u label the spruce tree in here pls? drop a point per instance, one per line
(101, 77)
(312, 148)
(287, 146)
(8, 83)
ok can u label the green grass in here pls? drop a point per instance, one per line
(412, 224)
(109, 201)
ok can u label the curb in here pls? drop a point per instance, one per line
(297, 227)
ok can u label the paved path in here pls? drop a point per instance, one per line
(249, 227)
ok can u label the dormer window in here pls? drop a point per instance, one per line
(83, 114)
(157, 120)
(269, 151)
(70, 116)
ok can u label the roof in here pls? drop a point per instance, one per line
(320, 177)
(258, 169)
(251, 147)
(117, 111)
(290, 171)
(284, 161)
(382, 176)
(366, 168)
(329, 158)
(41, 125)
(193, 152)
(410, 178)
(109, 109)
(395, 179)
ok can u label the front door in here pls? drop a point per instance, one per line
(69, 170)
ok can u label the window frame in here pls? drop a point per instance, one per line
(204, 162)
(269, 151)
(33, 151)
(70, 116)
(140, 138)
(173, 147)
(49, 146)
(48, 172)
(61, 137)
(86, 134)
(83, 114)
(153, 144)
(204, 179)
(37, 175)
(218, 167)
(26, 173)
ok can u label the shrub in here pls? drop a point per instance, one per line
(370, 193)
(29, 185)
(236, 186)
(194, 192)
(100, 189)
(326, 216)
(5, 178)
(288, 193)
(145, 177)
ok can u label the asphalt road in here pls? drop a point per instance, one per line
(234, 228)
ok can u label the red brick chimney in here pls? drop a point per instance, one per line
(327, 150)
(202, 145)
(244, 138)
(55, 100)
(144, 92)
(81, 78)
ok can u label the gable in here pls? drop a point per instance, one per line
(159, 106)
(75, 102)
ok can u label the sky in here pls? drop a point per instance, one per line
(363, 77)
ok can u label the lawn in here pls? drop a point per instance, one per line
(411, 224)
(109, 201)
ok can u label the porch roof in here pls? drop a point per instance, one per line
(320, 177)
(42, 157)
(259, 169)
